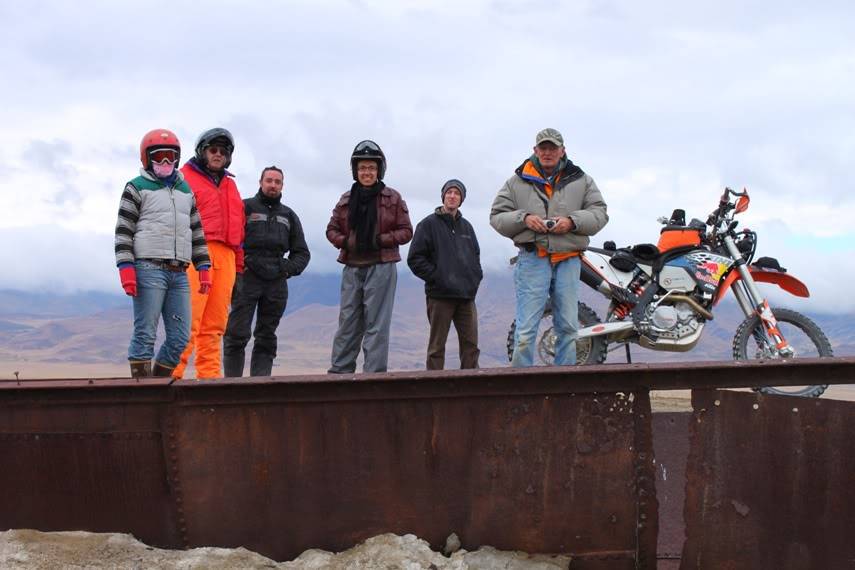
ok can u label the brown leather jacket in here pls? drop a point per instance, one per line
(393, 226)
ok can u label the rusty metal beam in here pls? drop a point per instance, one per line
(541, 459)
(500, 381)
(769, 482)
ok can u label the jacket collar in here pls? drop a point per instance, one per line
(530, 173)
(194, 164)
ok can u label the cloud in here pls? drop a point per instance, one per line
(663, 103)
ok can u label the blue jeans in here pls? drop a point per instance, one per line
(160, 292)
(535, 279)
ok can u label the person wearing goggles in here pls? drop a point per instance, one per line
(158, 233)
(222, 211)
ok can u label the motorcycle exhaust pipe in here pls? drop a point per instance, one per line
(601, 329)
(595, 281)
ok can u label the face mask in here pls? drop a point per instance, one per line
(164, 170)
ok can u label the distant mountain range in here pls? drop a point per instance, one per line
(91, 330)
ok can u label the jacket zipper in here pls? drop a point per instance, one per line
(174, 223)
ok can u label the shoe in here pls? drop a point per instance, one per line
(140, 368)
(162, 370)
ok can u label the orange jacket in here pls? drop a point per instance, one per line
(220, 207)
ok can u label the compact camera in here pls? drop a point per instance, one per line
(550, 224)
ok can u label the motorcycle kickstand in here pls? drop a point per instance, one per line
(628, 356)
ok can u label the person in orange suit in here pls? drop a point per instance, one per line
(223, 219)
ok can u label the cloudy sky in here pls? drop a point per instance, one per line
(663, 102)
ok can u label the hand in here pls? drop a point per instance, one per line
(536, 224)
(562, 225)
(128, 276)
(204, 281)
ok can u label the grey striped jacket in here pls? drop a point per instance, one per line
(157, 221)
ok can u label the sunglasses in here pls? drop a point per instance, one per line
(161, 155)
(217, 149)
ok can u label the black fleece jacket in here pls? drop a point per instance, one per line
(445, 255)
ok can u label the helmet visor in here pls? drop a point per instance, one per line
(161, 155)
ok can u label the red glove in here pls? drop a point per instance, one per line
(204, 281)
(128, 275)
(239, 255)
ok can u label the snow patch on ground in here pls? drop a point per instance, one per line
(34, 550)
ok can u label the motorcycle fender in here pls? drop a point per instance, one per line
(600, 265)
(783, 280)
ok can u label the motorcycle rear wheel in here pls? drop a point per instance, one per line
(803, 335)
(591, 350)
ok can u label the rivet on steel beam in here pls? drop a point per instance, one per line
(718, 402)
(756, 406)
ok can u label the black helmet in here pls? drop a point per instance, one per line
(368, 150)
(213, 136)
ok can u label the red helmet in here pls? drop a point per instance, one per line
(158, 138)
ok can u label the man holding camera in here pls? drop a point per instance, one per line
(549, 208)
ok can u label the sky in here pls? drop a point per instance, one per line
(663, 103)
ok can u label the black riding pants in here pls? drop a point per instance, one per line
(269, 298)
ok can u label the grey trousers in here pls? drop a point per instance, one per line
(367, 298)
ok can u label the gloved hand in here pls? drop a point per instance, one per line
(128, 276)
(204, 281)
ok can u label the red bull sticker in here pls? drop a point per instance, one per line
(710, 271)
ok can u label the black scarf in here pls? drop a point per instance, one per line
(362, 214)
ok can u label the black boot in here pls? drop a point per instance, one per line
(261, 365)
(162, 370)
(140, 368)
(233, 364)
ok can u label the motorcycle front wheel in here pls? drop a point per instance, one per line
(591, 350)
(803, 335)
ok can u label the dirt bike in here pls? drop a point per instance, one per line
(661, 296)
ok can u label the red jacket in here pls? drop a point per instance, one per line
(220, 207)
(393, 225)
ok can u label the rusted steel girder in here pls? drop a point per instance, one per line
(770, 482)
(541, 459)
(282, 465)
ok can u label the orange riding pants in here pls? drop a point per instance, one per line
(210, 314)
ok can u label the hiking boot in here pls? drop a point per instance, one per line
(140, 368)
(162, 370)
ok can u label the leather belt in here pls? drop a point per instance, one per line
(527, 247)
(168, 264)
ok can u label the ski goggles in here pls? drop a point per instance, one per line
(161, 155)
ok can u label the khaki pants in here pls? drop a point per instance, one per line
(463, 313)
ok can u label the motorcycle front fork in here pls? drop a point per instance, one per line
(752, 302)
